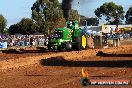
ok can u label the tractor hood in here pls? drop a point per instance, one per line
(56, 41)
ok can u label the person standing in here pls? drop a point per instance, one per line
(31, 41)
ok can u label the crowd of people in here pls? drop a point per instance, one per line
(24, 40)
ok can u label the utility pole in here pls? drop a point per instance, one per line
(78, 10)
(116, 21)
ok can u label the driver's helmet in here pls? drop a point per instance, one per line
(70, 23)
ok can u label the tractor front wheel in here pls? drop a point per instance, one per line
(68, 46)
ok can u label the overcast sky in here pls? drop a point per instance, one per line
(15, 10)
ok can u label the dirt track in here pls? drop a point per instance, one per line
(63, 69)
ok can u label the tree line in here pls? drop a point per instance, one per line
(47, 15)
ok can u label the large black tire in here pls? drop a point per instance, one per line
(62, 47)
(68, 46)
(78, 41)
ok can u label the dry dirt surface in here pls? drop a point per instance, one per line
(63, 69)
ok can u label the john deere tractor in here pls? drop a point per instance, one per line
(68, 38)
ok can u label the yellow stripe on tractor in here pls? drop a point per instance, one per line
(83, 41)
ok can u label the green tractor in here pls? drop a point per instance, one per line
(69, 38)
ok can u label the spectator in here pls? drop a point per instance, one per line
(44, 41)
(47, 40)
(27, 40)
(31, 41)
(12, 42)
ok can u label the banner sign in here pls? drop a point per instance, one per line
(3, 44)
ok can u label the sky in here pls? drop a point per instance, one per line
(15, 10)
(87, 7)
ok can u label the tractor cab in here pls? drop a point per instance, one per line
(72, 24)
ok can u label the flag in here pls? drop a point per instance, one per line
(103, 27)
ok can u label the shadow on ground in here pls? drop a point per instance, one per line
(102, 54)
(14, 51)
(22, 51)
(60, 61)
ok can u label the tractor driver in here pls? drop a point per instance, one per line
(71, 25)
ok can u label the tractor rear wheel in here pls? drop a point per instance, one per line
(78, 41)
(81, 41)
